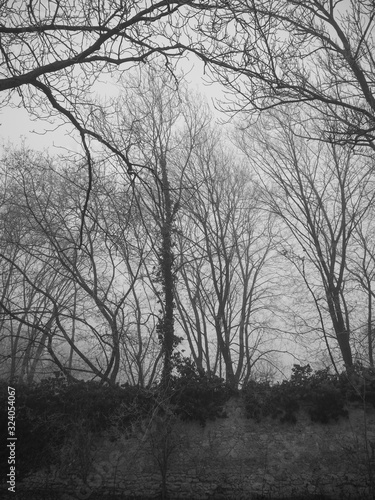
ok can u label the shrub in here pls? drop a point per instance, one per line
(319, 393)
(197, 396)
(263, 400)
(48, 413)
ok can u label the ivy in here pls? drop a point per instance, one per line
(49, 414)
(263, 400)
(197, 396)
(321, 394)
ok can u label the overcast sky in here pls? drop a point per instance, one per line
(16, 124)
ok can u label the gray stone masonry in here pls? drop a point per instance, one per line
(231, 457)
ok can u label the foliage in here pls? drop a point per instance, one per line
(50, 413)
(361, 387)
(262, 400)
(320, 393)
(53, 417)
(197, 396)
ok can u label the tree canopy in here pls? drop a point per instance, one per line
(168, 233)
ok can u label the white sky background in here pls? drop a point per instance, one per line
(17, 126)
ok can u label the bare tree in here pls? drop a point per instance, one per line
(23, 340)
(83, 291)
(224, 245)
(321, 193)
(122, 224)
(25, 315)
(55, 54)
(361, 266)
(319, 53)
(157, 123)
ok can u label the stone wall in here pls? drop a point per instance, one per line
(231, 457)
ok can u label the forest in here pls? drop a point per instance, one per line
(193, 245)
(234, 235)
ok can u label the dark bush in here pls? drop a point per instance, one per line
(197, 396)
(320, 393)
(263, 400)
(48, 413)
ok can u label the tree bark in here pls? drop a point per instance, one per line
(166, 264)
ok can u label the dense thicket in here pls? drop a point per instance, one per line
(57, 420)
(164, 233)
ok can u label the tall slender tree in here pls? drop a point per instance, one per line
(321, 193)
(224, 245)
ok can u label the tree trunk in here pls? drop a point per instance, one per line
(166, 329)
(342, 331)
(369, 326)
(225, 352)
